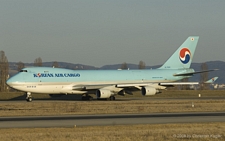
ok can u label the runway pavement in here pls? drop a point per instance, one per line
(124, 99)
(113, 119)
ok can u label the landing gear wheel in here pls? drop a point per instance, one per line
(90, 98)
(87, 97)
(29, 97)
(111, 98)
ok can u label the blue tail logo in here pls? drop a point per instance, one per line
(185, 55)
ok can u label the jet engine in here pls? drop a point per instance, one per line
(149, 91)
(103, 93)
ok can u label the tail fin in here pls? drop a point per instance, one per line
(182, 57)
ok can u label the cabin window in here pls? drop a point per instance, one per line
(23, 70)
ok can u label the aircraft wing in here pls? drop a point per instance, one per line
(115, 88)
(99, 86)
(132, 85)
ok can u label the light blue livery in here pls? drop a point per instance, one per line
(108, 83)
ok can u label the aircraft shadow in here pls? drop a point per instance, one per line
(70, 97)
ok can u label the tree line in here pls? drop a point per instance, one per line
(141, 65)
(4, 71)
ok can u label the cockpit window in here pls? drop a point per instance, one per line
(23, 71)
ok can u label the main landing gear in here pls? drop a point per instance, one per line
(111, 98)
(29, 97)
(87, 97)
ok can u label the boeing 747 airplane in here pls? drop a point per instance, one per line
(108, 83)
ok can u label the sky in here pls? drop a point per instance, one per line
(105, 32)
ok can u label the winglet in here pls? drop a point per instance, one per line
(212, 80)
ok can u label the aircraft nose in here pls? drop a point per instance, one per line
(10, 82)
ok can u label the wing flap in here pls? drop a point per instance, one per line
(131, 85)
(89, 87)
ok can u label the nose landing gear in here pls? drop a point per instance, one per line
(29, 97)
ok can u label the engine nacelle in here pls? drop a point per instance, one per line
(149, 91)
(103, 93)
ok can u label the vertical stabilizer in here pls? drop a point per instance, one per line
(183, 56)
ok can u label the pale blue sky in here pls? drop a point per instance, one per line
(100, 32)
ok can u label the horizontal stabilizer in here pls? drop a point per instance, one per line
(178, 83)
(192, 73)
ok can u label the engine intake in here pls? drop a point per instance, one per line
(149, 91)
(103, 93)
